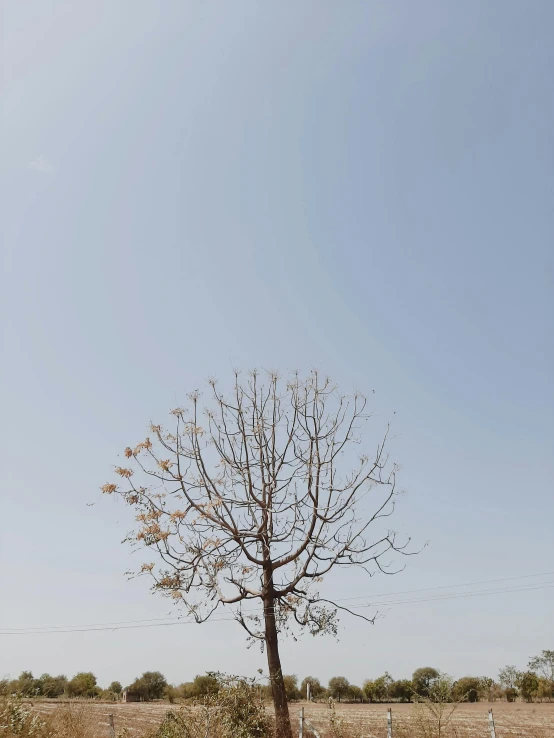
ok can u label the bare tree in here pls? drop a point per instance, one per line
(254, 498)
(543, 665)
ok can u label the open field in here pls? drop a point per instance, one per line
(470, 720)
(513, 720)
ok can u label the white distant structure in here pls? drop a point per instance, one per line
(130, 696)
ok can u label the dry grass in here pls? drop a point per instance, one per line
(70, 720)
(73, 721)
(416, 721)
(517, 720)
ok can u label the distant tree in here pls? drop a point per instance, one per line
(26, 684)
(355, 693)
(150, 686)
(185, 690)
(155, 684)
(13, 686)
(508, 677)
(543, 665)
(170, 693)
(139, 688)
(545, 690)
(467, 689)
(291, 687)
(4, 687)
(423, 679)
(381, 687)
(401, 690)
(316, 689)
(204, 685)
(528, 684)
(83, 684)
(338, 687)
(52, 686)
(115, 687)
(261, 500)
(497, 693)
(440, 689)
(486, 688)
(368, 690)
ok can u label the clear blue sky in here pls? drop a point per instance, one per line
(366, 187)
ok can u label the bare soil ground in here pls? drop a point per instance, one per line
(515, 720)
(470, 720)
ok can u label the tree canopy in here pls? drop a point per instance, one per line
(423, 679)
(338, 687)
(150, 686)
(543, 665)
(467, 689)
(316, 689)
(253, 497)
(83, 684)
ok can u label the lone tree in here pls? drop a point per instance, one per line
(150, 686)
(543, 665)
(508, 677)
(256, 496)
(338, 687)
(423, 680)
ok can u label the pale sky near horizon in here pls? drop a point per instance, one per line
(366, 187)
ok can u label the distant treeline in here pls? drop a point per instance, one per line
(534, 683)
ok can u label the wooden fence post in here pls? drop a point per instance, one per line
(301, 730)
(389, 723)
(491, 724)
(112, 726)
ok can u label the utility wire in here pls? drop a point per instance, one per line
(460, 595)
(109, 624)
(447, 586)
(91, 625)
(151, 624)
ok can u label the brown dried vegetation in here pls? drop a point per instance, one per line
(146, 720)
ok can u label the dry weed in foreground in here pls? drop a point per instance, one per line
(429, 720)
(237, 713)
(189, 723)
(66, 721)
(16, 719)
(234, 712)
(434, 719)
(73, 721)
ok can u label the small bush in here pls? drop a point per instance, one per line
(234, 711)
(16, 719)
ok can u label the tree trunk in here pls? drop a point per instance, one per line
(282, 718)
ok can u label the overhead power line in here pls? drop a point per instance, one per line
(448, 586)
(460, 595)
(110, 624)
(162, 622)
